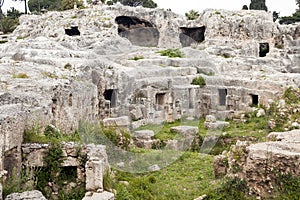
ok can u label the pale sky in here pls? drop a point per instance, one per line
(285, 7)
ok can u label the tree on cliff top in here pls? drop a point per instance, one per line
(37, 5)
(291, 19)
(134, 3)
(258, 5)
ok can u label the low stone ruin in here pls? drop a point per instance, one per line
(260, 164)
(87, 163)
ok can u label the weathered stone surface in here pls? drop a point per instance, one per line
(117, 122)
(185, 130)
(216, 125)
(259, 164)
(220, 165)
(144, 134)
(99, 196)
(92, 76)
(28, 195)
(95, 168)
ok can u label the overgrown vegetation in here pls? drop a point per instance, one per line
(20, 75)
(199, 81)
(192, 15)
(171, 53)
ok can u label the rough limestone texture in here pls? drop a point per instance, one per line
(259, 164)
(28, 195)
(95, 167)
(94, 74)
(99, 196)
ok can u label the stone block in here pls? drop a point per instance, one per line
(119, 122)
(99, 196)
(32, 195)
(144, 134)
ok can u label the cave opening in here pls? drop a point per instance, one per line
(264, 49)
(111, 95)
(73, 31)
(189, 36)
(222, 97)
(139, 32)
(254, 99)
(68, 173)
(160, 100)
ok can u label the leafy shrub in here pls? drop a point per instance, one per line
(199, 81)
(20, 75)
(8, 24)
(192, 15)
(172, 53)
(137, 58)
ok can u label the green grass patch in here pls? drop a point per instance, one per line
(171, 53)
(20, 75)
(199, 81)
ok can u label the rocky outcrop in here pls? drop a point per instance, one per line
(79, 67)
(99, 196)
(28, 195)
(262, 163)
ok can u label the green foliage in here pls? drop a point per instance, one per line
(137, 58)
(232, 188)
(134, 3)
(287, 186)
(187, 178)
(291, 19)
(245, 7)
(258, 5)
(192, 15)
(16, 183)
(171, 53)
(20, 75)
(37, 5)
(199, 81)
(8, 24)
(51, 134)
(13, 13)
(3, 41)
(69, 4)
(49, 75)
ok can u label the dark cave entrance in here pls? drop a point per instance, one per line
(68, 173)
(111, 95)
(264, 48)
(189, 36)
(73, 31)
(254, 98)
(222, 97)
(160, 100)
(139, 32)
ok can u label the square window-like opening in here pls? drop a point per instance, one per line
(222, 97)
(160, 98)
(264, 48)
(254, 98)
(111, 95)
(68, 173)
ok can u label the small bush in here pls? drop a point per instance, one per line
(199, 81)
(171, 53)
(192, 15)
(8, 24)
(20, 75)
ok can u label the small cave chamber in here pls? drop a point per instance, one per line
(160, 100)
(73, 31)
(264, 49)
(139, 32)
(222, 97)
(254, 99)
(189, 36)
(111, 96)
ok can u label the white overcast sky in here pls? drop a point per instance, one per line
(285, 7)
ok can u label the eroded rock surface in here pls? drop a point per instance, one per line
(28, 195)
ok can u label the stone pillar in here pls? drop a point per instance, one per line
(94, 175)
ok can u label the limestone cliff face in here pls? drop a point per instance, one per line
(80, 65)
